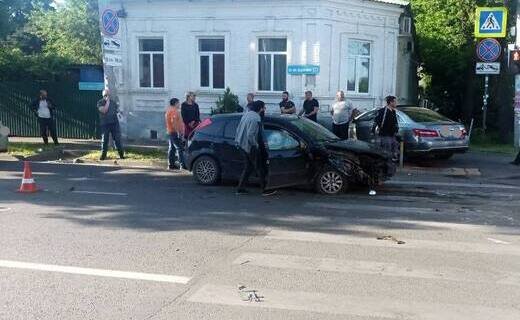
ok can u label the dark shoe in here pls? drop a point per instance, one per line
(267, 193)
(241, 192)
(173, 168)
(102, 158)
(515, 163)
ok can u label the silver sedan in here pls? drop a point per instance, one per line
(425, 132)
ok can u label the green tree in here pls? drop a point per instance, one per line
(70, 32)
(226, 103)
(14, 14)
(446, 45)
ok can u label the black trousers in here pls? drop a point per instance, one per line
(48, 125)
(114, 130)
(341, 130)
(253, 161)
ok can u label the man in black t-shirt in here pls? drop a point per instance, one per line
(286, 105)
(310, 107)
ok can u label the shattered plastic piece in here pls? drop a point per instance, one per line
(249, 295)
(391, 238)
(372, 193)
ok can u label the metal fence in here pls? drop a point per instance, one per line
(76, 115)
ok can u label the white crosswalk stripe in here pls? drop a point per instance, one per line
(350, 305)
(454, 246)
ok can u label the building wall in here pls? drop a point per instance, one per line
(317, 32)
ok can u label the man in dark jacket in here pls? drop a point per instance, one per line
(45, 110)
(109, 122)
(190, 114)
(249, 139)
(388, 127)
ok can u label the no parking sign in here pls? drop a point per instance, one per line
(110, 22)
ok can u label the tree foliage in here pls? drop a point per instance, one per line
(71, 32)
(446, 45)
(38, 41)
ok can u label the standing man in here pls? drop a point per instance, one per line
(45, 110)
(249, 139)
(388, 127)
(109, 122)
(286, 105)
(190, 114)
(341, 115)
(175, 129)
(250, 99)
(310, 107)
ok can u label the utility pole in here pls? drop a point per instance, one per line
(517, 80)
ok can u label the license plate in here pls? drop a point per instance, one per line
(448, 132)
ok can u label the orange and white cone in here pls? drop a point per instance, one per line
(28, 184)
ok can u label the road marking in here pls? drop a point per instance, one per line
(367, 267)
(102, 193)
(498, 241)
(5, 209)
(94, 272)
(410, 243)
(350, 305)
(450, 184)
(364, 207)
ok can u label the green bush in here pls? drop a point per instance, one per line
(226, 103)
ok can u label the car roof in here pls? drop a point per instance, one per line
(277, 118)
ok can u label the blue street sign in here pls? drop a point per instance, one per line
(91, 86)
(110, 22)
(489, 50)
(491, 22)
(303, 69)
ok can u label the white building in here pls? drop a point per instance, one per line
(168, 47)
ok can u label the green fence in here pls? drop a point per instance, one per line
(76, 115)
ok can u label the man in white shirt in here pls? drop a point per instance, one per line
(45, 109)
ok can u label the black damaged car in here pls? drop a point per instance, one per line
(301, 153)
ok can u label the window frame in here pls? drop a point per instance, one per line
(272, 54)
(358, 60)
(151, 54)
(210, 55)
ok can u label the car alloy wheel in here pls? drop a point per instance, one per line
(206, 171)
(331, 182)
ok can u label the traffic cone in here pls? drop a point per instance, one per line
(28, 184)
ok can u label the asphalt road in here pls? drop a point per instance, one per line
(112, 243)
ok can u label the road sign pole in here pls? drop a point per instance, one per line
(484, 107)
(517, 82)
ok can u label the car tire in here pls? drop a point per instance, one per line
(206, 171)
(330, 182)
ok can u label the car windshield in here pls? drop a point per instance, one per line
(314, 131)
(423, 115)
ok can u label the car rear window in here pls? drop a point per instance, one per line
(216, 128)
(230, 129)
(423, 115)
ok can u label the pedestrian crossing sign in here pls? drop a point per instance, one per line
(491, 22)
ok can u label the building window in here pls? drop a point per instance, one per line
(358, 65)
(212, 63)
(151, 63)
(272, 64)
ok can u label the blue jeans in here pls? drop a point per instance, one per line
(175, 150)
(114, 130)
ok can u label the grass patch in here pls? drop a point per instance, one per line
(23, 149)
(490, 142)
(132, 154)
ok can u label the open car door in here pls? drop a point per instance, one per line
(288, 162)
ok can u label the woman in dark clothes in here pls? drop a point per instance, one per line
(190, 114)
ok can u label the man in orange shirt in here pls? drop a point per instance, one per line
(175, 129)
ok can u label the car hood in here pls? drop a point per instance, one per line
(357, 147)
